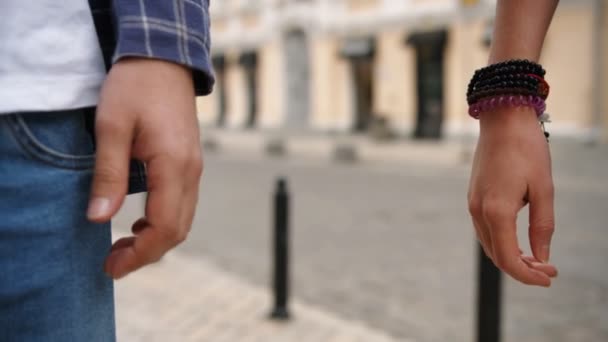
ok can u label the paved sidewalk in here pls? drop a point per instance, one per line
(185, 299)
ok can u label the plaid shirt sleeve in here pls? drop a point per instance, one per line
(176, 31)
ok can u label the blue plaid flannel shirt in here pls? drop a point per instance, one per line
(171, 30)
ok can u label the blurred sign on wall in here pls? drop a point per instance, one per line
(469, 3)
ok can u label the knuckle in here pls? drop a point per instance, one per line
(105, 125)
(189, 162)
(474, 206)
(550, 189)
(147, 258)
(168, 235)
(155, 258)
(544, 226)
(501, 262)
(177, 155)
(107, 173)
(173, 237)
(186, 159)
(495, 208)
(181, 237)
(197, 165)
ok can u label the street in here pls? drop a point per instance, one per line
(390, 244)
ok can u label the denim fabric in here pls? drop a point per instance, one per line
(52, 285)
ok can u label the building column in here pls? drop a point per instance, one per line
(297, 79)
(271, 85)
(394, 98)
(604, 65)
(331, 85)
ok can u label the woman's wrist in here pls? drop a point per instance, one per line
(509, 118)
(510, 128)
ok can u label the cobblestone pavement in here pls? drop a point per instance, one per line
(185, 299)
(390, 244)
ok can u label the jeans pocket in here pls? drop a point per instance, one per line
(59, 138)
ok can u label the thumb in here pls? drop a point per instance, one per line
(111, 175)
(542, 222)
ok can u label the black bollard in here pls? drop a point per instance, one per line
(488, 300)
(281, 252)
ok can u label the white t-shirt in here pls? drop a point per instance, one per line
(49, 56)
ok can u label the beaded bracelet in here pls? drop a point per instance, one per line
(519, 77)
(511, 83)
(522, 66)
(494, 102)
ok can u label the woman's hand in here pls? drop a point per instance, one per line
(512, 168)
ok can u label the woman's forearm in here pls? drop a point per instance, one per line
(520, 29)
(512, 164)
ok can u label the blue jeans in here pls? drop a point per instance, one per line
(52, 285)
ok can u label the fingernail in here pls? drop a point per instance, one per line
(98, 208)
(544, 255)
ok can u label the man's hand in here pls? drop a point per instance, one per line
(512, 168)
(147, 111)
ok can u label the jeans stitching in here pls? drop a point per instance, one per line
(35, 149)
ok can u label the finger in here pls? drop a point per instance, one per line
(191, 194)
(542, 221)
(123, 243)
(162, 231)
(502, 223)
(139, 225)
(111, 174)
(188, 207)
(547, 269)
(484, 238)
(188, 211)
(476, 212)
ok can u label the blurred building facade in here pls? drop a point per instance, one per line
(346, 65)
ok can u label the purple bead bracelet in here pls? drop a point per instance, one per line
(494, 102)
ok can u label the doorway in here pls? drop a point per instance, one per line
(219, 66)
(362, 70)
(430, 54)
(360, 53)
(249, 62)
